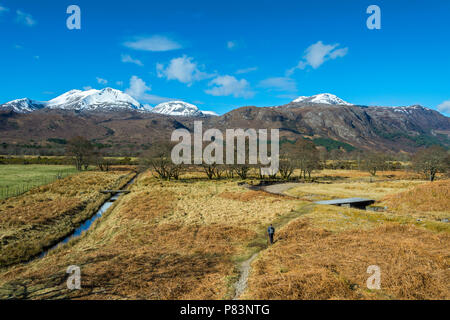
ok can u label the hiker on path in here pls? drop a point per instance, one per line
(271, 232)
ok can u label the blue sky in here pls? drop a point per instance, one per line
(221, 55)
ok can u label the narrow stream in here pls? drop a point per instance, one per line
(88, 223)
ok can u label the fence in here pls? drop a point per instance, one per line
(19, 189)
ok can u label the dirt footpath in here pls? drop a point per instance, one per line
(280, 188)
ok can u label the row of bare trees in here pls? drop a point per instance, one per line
(429, 161)
(158, 158)
(84, 154)
(300, 156)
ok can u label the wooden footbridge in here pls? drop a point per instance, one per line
(115, 191)
(359, 203)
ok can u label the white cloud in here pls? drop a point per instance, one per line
(316, 54)
(246, 70)
(86, 88)
(338, 53)
(138, 87)
(119, 83)
(229, 85)
(183, 69)
(126, 58)
(231, 44)
(279, 84)
(153, 43)
(25, 18)
(444, 107)
(139, 90)
(101, 80)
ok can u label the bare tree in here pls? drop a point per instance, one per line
(286, 168)
(100, 161)
(431, 161)
(159, 159)
(213, 170)
(220, 171)
(229, 171)
(373, 162)
(81, 150)
(304, 155)
(241, 170)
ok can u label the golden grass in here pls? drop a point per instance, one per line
(40, 217)
(209, 202)
(432, 198)
(374, 190)
(365, 176)
(185, 240)
(164, 240)
(248, 196)
(313, 263)
(336, 219)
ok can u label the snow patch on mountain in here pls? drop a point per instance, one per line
(323, 98)
(107, 99)
(210, 113)
(24, 105)
(180, 108)
(93, 99)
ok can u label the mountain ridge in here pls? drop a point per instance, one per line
(322, 98)
(390, 129)
(107, 99)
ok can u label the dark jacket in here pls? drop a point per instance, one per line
(271, 230)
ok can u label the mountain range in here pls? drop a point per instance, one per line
(107, 99)
(122, 125)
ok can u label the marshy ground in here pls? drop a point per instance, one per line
(189, 239)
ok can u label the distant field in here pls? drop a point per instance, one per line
(15, 179)
(12, 175)
(29, 157)
(38, 218)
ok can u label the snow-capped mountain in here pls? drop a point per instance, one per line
(94, 100)
(323, 98)
(107, 99)
(181, 108)
(24, 105)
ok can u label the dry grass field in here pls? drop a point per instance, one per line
(426, 200)
(187, 239)
(315, 263)
(325, 254)
(164, 240)
(43, 215)
(349, 189)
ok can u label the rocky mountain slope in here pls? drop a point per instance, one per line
(127, 127)
(381, 128)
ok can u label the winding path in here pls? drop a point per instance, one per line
(280, 188)
(241, 284)
(245, 267)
